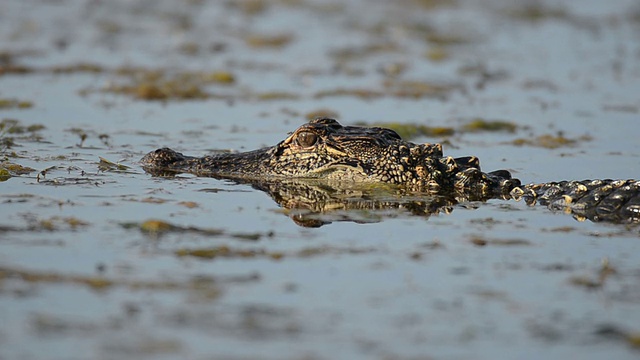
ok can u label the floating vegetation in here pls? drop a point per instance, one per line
(89, 68)
(85, 134)
(393, 88)
(479, 124)
(161, 90)
(356, 53)
(268, 41)
(413, 130)
(276, 95)
(161, 85)
(106, 165)
(189, 48)
(604, 272)
(227, 252)
(219, 77)
(433, 4)
(13, 169)
(409, 131)
(616, 332)
(224, 251)
(101, 283)
(153, 200)
(4, 174)
(321, 113)
(446, 39)
(624, 108)
(437, 53)
(15, 104)
(64, 181)
(551, 141)
(535, 12)
(158, 227)
(54, 223)
(12, 126)
(17, 169)
(249, 7)
(419, 89)
(189, 204)
(393, 69)
(481, 241)
(365, 94)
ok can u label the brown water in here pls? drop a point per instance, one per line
(104, 261)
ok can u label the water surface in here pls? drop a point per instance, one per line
(97, 261)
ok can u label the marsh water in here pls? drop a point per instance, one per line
(100, 260)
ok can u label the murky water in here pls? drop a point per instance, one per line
(104, 261)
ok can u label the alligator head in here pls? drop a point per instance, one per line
(323, 148)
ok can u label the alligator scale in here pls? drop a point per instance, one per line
(324, 149)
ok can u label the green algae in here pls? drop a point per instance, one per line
(101, 283)
(479, 124)
(13, 126)
(535, 12)
(161, 84)
(365, 94)
(227, 252)
(16, 169)
(410, 131)
(550, 141)
(4, 174)
(11, 103)
(420, 89)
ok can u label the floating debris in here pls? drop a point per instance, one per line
(480, 241)
(420, 89)
(605, 271)
(551, 141)
(189, 204)
(276, 95)
(15, 104)
(156, 227)
(224, 251)
(13, 126)
(227, 252)
(101, 283)
(365, 94)
(479, 124)
(4, 174)
(268, 41)
(105, 165)
(535, 12)
(410, 131)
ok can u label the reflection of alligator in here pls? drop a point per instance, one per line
(324, 149)
(316, 202)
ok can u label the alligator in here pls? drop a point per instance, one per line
(325, 149)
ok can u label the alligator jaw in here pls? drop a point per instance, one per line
(350, 171)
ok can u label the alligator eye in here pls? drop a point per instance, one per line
(306, 139)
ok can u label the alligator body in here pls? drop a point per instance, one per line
(324, 149)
